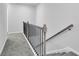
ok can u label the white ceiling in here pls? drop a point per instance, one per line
(30, 4)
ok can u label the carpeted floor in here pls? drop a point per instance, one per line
(16, 45)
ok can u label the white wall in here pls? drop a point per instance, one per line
(3, 25)
(57, 17)
(17, 14)
(40, 15)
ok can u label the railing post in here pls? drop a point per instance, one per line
(27, 29)
(44, 39)
(41, 46)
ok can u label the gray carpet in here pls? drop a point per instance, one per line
(16, 45)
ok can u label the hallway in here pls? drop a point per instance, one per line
(16, 45)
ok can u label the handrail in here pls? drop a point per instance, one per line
(68, 27)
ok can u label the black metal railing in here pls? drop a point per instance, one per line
(35, 35)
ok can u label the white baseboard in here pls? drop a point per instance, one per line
(3, 45)
(13, 32)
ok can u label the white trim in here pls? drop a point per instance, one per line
(30, 45)
(70, 49)
(13, 32)
(67, 49)
(7, 17)
(3, 45)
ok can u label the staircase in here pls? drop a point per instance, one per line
(70, 38)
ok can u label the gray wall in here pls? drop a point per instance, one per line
(57, 17)
(17, 13)
(3, 25)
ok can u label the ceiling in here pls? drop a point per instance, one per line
(30, 4)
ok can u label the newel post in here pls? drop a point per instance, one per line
(44, 39)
